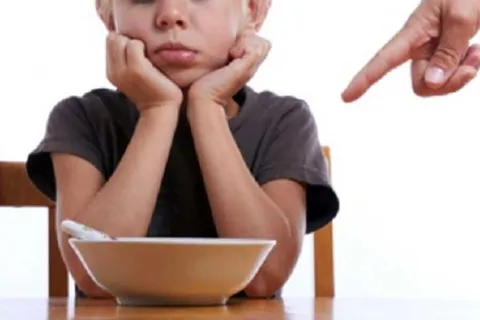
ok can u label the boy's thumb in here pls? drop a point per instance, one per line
(452, 46)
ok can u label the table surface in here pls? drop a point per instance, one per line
(288, 309)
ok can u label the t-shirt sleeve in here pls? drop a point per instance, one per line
(294, 152)
(68, 130)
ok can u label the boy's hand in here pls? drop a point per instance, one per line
(134, 75)
(219, 86)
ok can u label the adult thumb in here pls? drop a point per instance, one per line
(455, 34)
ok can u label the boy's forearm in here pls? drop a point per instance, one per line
(233, 193)
(240, 207)
(124, 205)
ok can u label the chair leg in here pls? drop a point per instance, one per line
(57, 272)
(323, 262)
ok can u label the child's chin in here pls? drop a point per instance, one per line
(185, 80)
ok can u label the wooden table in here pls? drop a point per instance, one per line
(287, 309)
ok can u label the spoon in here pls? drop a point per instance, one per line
(83, 232)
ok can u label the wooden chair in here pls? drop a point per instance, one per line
(323, 253)
(16, 190)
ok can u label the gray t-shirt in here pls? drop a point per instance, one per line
(276, 135)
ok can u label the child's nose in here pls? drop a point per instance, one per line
(171, 13)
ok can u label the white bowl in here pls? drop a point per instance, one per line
(172, 271)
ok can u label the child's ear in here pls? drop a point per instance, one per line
(257, 12)
(104, 11)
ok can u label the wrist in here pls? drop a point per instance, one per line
(156, 115)
(160, 111)
(204, 107)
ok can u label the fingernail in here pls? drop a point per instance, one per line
(435, 75)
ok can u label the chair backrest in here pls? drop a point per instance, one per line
(16, 190)
(323, 253)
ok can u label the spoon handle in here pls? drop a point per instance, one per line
(82, 232)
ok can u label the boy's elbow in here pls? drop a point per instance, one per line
(91, 289)
(271, 277)
(263, 288)
(80, 276)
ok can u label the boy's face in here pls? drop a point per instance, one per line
(206, 28)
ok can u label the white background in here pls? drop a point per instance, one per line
(406, 169)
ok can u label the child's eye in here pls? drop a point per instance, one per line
(142, 1)
(151, 1)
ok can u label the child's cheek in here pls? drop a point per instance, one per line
(132, 28)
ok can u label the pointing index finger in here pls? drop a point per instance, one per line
(397, 51)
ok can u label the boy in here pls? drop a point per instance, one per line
(184, 148)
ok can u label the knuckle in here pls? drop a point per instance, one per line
(257, 49)
(258, 52)
(268, 45)
(135, 44)
(462, 16)
(113, 40)
(110, 37)
(447, 56)
(130, 46)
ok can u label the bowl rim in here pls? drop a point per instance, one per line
(180, 241)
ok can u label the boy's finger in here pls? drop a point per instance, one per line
(239, 71)
(135, 54)
(393, 54)
(117, 54)
(111, 58)
(237, 50)
(242, 41)
(255, 54)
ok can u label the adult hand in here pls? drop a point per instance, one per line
(436, 39)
